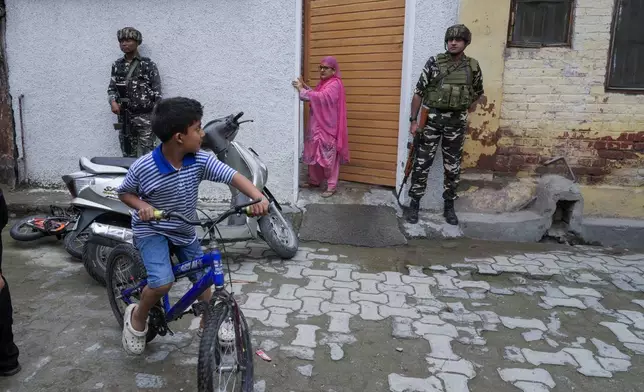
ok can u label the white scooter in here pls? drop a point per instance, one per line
(105, 220)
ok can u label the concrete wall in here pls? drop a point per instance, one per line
(230, 55)
(554, 103)
(425, 25)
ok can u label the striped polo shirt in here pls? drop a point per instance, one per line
(159, 184)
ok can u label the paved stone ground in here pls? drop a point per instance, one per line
(431, 316)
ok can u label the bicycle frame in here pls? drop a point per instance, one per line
(172, 313)
(56, 214)
(211, 261)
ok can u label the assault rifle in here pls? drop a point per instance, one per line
(413, 150)
(123, 102)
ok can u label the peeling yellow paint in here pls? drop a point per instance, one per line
(546, 102)
(619, 202)
(488, 45)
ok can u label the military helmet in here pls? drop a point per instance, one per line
(459, 31)
(129, 33)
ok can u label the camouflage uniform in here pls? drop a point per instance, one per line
(451, 126)
(445, 124)
(143, 91)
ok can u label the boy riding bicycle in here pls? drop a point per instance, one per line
(168, 179)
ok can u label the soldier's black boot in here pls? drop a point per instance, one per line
(449, 213)
(412, 211)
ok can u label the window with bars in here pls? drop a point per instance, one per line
(537, 23)
(626, 61)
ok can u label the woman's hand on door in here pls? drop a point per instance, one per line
(298, 84)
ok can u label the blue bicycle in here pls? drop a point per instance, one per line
(225, 352)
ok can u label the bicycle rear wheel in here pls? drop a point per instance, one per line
(225, 352)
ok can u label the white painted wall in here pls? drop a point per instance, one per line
(230, 55)
(426, 22)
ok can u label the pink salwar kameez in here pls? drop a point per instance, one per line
(326, 143)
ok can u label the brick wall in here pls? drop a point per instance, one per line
(554, 103)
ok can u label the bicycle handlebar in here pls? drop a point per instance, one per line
(238, 116)
(158, 214)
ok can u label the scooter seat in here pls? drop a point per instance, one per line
(125, 163)
(95, 168)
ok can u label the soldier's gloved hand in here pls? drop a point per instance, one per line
(116, 109)
(413, 127)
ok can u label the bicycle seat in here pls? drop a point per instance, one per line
(123, 162)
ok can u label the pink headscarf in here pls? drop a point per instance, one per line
(330, 61)
(332, 112)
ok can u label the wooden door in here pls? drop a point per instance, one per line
(366, 37)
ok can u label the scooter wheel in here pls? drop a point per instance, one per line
(279, 234)
(22, 231)
(95, 261)
(74, 243)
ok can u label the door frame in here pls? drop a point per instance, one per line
(406, 91)
(298, 107)
(406, 88)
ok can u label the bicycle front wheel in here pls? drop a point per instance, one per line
(125, 269)
(225, 353)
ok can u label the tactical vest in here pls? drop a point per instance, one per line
(452, 88)
(139, 90)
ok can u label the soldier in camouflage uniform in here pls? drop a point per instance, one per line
(448, 86)
(140, 77)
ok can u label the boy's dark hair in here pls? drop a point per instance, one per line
(174, 115)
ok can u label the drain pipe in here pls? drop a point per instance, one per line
(22, 136)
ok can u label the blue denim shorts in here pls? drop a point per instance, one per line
(155, 252)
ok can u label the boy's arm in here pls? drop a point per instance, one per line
(146, 211)
(217, 171)
(128, 194)
(247, 188)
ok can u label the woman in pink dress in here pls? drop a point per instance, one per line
(326, 143)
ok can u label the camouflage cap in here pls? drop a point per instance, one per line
(129, 33)
(458, 31)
